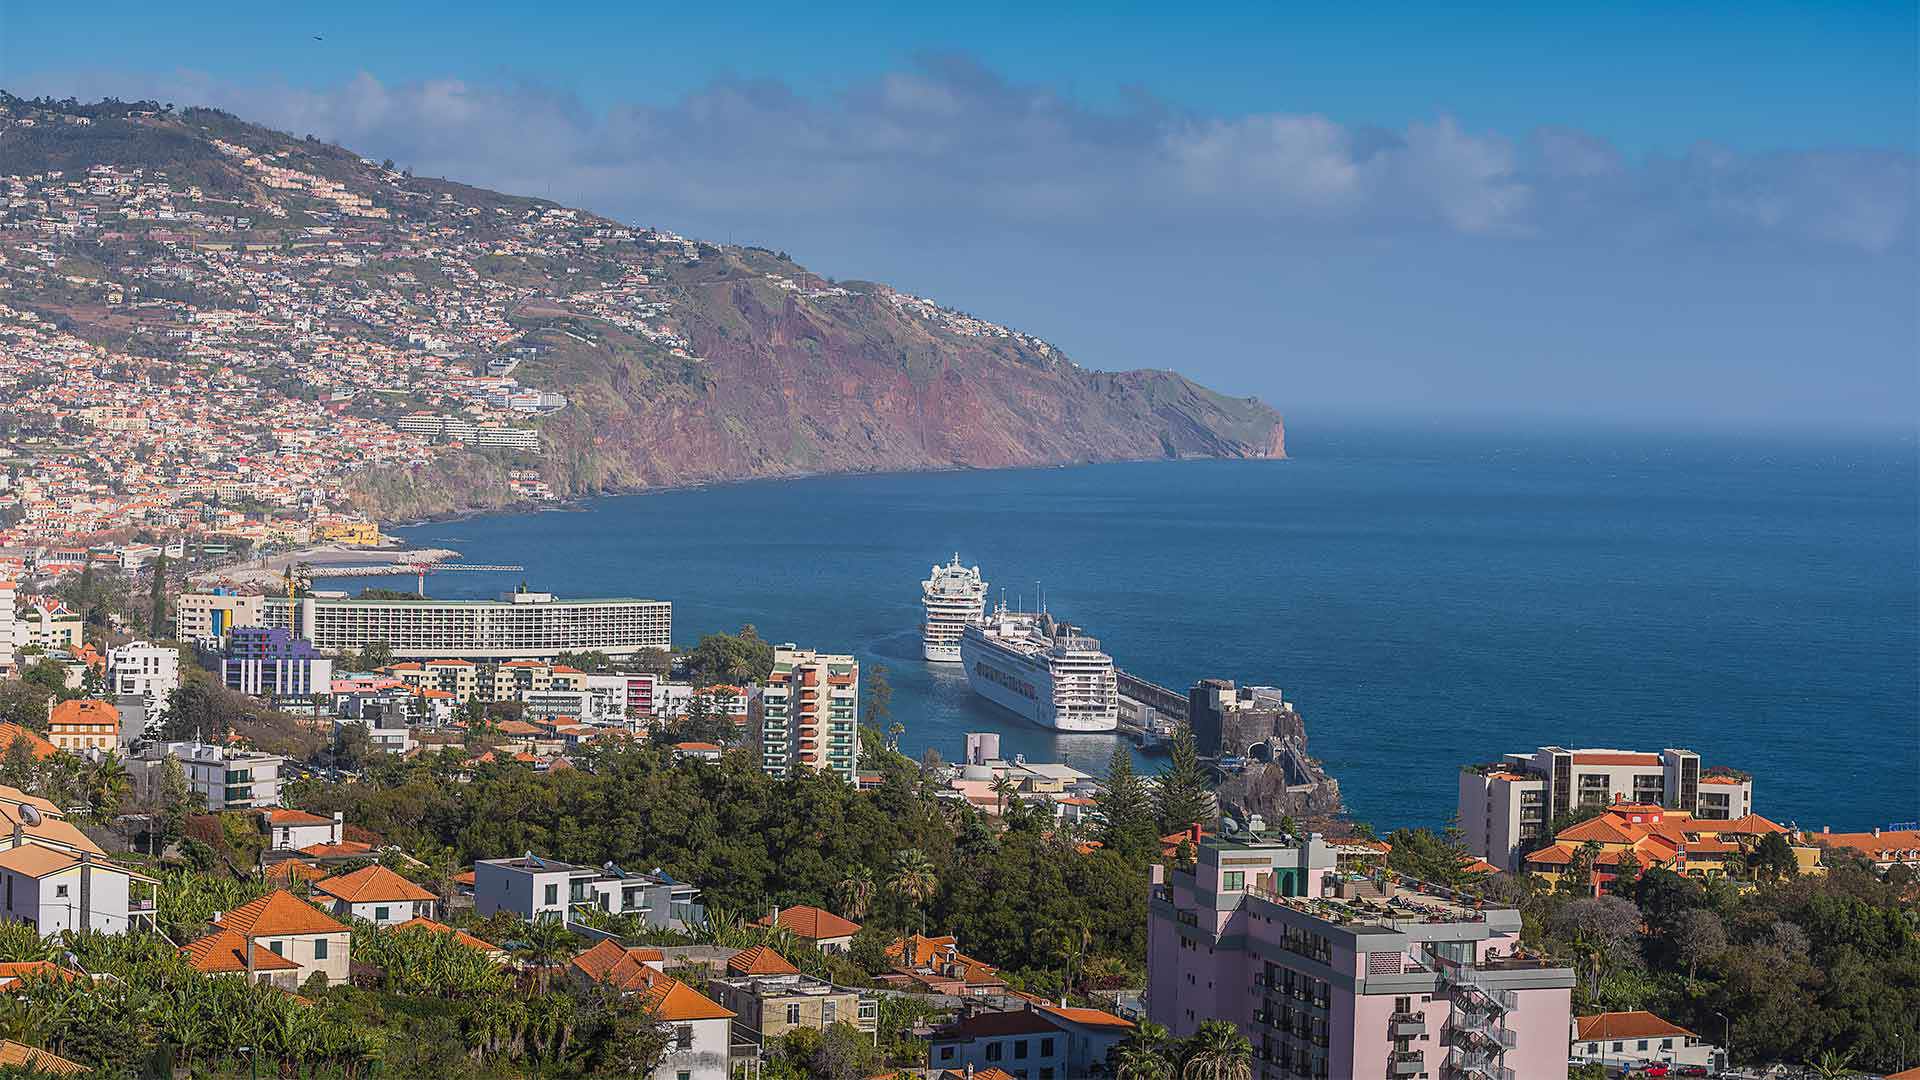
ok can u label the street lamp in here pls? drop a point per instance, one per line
(1726, 1037)
(1902, 1040)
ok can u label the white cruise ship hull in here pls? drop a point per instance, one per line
(1018, 684)
(941, 654)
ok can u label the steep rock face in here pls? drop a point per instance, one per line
(787, 385)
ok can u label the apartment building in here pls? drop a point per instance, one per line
(520, 625)
(810, 713)
(210, 616)
(228, 779)
(13, 632)
(269, 662)
(536, 888)
(144, 670)
(1510, 805)
(1038, 1042)
(1333, 974)
(771, 997)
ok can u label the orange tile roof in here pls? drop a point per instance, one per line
(461, 936)
(1627, 1025)
(277, 914)
(294, 870)
(1088, 1017)
(1889, 840)
(989, 1073)
(345, 849)
(219, 953)
(295, 817)
(372, 884)
(625, 968)
(37, 969)
(760, 960)
(41, 748)
(813, 923)
(675, 1002)
(16, 1055)
(85, 711)
(36, 861)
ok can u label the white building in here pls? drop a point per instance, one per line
(227, 779)
(291, 830)
(144, 670)
(13, 632)
(536, 888)
(376, 894)
(1510, 805)
(520, 625)
(1626, 1039)
(54, 890)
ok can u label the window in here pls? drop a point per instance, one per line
(1643, 1044)
(1233, 880)
(995, 1051)
(1020, 1049)
(1046, 1047)
(319, 948)
(1666, 1044)
(683, 1074)
(275, 946)
(828, 1010)
(946, 1053)
(1619, 1046)
(683, 1037)
(553, 894)
(380, 914)
(1046, 1073)
(59, 890)
(793, 1014)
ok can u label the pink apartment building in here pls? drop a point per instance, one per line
(1337, 975)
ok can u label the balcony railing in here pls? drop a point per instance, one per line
(1406, 1063)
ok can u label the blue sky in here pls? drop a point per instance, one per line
(1698, 214)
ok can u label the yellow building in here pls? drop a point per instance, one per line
(351, 533)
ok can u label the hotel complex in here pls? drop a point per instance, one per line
(520, 625)
(1510, 805)
(1332, 974)
(809, 713)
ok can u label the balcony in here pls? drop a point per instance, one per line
(1406, 1025)
(1406, 1063)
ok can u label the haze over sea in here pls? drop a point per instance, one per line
(1428, 598)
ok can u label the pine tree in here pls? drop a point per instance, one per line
(1126, 805)
(1184, 797)
(158, 599)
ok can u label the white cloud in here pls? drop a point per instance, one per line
(946, 144)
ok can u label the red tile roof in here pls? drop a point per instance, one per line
(813, 923)
(278, 914)
(1627, 1025)
(219, 953)
(760, 960)
(373, 884)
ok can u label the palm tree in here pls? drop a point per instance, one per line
(1130, 1061)
(1004, 788)
(915, 881)
(544, 946)
(1832, 1066)
(108, 784)
(1217, 1051)
(856, 892)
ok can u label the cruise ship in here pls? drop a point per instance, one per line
(1045, 670)
(953, 596)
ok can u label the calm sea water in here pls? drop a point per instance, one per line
(1428, 599)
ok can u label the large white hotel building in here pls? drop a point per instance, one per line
(520, 625)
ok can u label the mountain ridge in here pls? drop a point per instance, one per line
(680, 362)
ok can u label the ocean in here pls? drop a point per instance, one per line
(1428, 598)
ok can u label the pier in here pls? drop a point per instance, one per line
(1141, 703)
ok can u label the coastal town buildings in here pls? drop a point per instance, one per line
(521, 625)
(144, 670)
(537, 888)
(270, 663)
(1336, 975)
(1623, 1040)
(1039, 1041)
(208, 617)
(1628, 838)
(227, 778)
(1510, 805)
(810, 713)
(771, 997)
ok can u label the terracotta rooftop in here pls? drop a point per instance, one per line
(279, 913)
(760, 960)
(373, 884)
(1627, 1025)
(219, 953)
(813, 923)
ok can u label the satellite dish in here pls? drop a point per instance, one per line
(31, 814)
